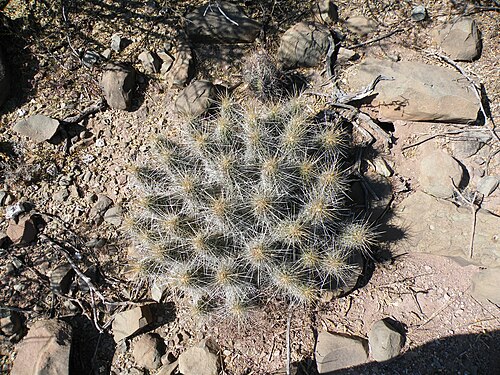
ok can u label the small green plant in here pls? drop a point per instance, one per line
(248, 204)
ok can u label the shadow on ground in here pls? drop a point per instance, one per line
(462, 354)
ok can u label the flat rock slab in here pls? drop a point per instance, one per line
(335, 352)
(439, 227)
(45, 349)
(416, 91)
(38, 127)
(459, 40)
(221, 22)
(439, 173)
(195, 99)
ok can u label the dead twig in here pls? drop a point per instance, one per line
(377, 39)
(474, 208)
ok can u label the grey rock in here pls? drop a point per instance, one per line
(131, 321)
(210, 24)
(382, 167)
(344, 55)
(13, 211)
(304, 45)
(384, 341)
(463, 149)
(91, 58)
(61, 195)
(11, 323)
(361, 25)
(485, 285)
(106, 53)
(199, 360)
(460, 40)
(195, 99)
(45, 350)
(440, 227)
(61, 278)
(438, 172)
(118, 42)
(38, 127)
(488, 185)
(4, 80)
(148, 350)
(166, 61)
(182, 69)
(118, 82)
(326, 11)
(102, 204)
(335, 352)
(418, 13)
(22, 230)
(416, 91)
(114, 216)
(150, 61)
(157, 291)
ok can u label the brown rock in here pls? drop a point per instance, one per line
(148, 350)
(195, 99)
(439, 173)
(460, 40)
(23, 230)
(335, 352)
(131, 321)
(118, 82)
(199, 360)
(39, 128)
(45, 350)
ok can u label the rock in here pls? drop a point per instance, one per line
(463, 149)
(61, 195)
(166, 61)
(118, 42)
(416, 91)
(61, 278)
(157, 291)
(13, 211)
(304, 45)
(182, 69)
(106, 53)
(460, 40)
(344, 55)
(488, 185)
(131, 321)
(438, 172)
(118, 82)
(384, 341)
(361, 25)
(439, 227)
(11, 323)
(147, 351)
(114, 216)
(335, 352)
(23, 230)
(418, 13)
(382, 167)
(4, 80)
(101, 205)
(168, 369)
(209, 24)
(199, 360)
(91, 58)
(38, 127)
(45, 350)
(150, 61)
(195, 99)
(485, 285)
(326, 11)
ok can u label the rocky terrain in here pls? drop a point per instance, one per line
(86, 88)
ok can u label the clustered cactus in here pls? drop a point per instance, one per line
(249, 203)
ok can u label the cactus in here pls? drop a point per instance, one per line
(247, 204)
(263, 76)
